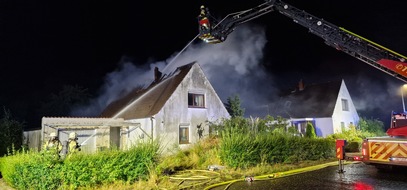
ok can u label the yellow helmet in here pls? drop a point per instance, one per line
(202, 7)
(72, 135)
(53, 134)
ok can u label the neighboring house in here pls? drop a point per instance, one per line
(328, 106)
(175, 109)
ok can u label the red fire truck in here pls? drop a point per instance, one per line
(390, 150)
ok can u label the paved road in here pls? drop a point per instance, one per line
(356, 177)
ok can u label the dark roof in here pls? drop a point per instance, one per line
(142, 103)
(315, 100)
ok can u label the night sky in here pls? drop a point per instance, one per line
(111, 46)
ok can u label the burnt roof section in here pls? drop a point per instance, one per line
(143, 103)
(314, 100)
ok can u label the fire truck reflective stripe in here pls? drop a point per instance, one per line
(376, 150)
(382, 151)
(338, 153)
(393, 148)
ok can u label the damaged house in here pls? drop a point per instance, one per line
(175, 109)
(328, 106)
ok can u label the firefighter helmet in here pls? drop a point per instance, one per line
(72, 135)
(53, 134)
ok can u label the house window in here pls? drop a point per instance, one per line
(342, 126)
(183, 134)
(345, 105)
(196, 100)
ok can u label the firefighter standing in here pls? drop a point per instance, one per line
(73, 145)
(53, 145)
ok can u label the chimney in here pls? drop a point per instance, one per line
(300, 85)
(157, 74)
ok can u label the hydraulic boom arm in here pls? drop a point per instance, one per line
(344, 40)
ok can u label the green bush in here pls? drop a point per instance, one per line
(310, 131)
(353, 146)
(11, 132)
(33, 170)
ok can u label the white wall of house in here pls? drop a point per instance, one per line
(138, 130)
(344, 117)
(177, 114)
(323, 126)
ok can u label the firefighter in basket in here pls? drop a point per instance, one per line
(203, 19)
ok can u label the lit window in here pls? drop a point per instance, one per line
(345, 106)
(183, 134)
(196, 100)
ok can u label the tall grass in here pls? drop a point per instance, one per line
(238, 149)
(242, 150)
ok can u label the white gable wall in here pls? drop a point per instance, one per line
(176, 113)
(346, 117)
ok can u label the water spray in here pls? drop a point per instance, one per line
(83, 143)
(180, 53)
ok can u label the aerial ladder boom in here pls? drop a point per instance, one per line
(344, 40)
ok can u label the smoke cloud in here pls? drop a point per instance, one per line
(234, 67)
(376, 97)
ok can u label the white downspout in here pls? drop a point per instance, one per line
(152, 125)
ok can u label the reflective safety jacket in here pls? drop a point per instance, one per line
(53, 145)
(73, 147)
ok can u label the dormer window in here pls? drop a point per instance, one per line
(196, 100)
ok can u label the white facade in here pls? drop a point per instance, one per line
(176, 114)
(344, 115)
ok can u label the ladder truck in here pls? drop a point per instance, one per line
(385, 151)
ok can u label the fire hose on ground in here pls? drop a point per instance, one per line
(201, 179)
(274, 175)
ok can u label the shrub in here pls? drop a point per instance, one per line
(353, 146)
(33, 170)
(310, 131)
